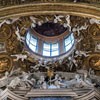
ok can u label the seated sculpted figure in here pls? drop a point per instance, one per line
(14, 83)
(87, 81)
(76, 82)
(41, 82)
(4, 80)
(56, 83)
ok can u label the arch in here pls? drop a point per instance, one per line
(84, 10)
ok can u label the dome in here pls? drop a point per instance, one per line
(48, 39)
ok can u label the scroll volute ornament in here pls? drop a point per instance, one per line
(94, 61)
(5, 63)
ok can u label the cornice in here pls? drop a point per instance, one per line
(50, 8)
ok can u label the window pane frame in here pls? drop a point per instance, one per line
(31, 42)
(50, 50)
(70, 43)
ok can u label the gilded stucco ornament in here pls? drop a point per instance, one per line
(83, 35)
(5, 63)
(94, 61)
(94, 31)
(5, 32)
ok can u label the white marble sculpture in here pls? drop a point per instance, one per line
(58, 18)
(14, 71)
(75, 82)
(78, 29)
(59, 84)
(33, 19)
(13, 20)
(40, 22)
(21, 81)
(87, 82)
(56, 83)
(15, 82)
(42, 78)
(40, 64)
(44, 85)
(1, 91)
(55, 78)
(80, 53)
(73, 60)
(97, 46)
(25, 81)
(79, 39)
(4, 80)
(33, 25)
(68, 22)
(78, 82)
(91, 72)
(93, 20)
(19, 37)
(5, 21)
(75, 1)
(9, 21)
(46, 19)
(20, 56)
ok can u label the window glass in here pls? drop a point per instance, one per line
(32, 47)
(31, 42)
(68, 47)
(69, 41)
(54, 46)
(46, 53)
(27, 41)
(72, 37)
(46, 46)
(28, 36)
(55, 53)
(50, 49)
(72, 41)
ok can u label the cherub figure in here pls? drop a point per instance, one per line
(20, 56)
(93, 20)
(68, 22)
(19, 37)
(58, 18)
